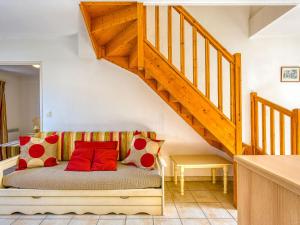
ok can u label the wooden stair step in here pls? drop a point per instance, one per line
(172, 99)
(133, 57)
(185, 113)
(127, 35)
(160, 87)
(123, 15)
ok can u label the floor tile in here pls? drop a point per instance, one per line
(170, 211)
(64, 216)
(83, 222)
(187, 197)
(86, 217)
(195, 222)
(55, 221)
(167, 222)
(168, 196)
(204, 196)
(139, 216)
(218, 186)
(221, 197)
(196, 186)
(6, 221)
(112, 217)
(214, 210)
(27, 222)
(231, 209)
(189, 210)
(111, 222)
(139, 221)
(222, 222)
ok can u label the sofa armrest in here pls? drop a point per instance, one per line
(5, 164)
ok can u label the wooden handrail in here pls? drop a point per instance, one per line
(210, 44)
(283, 112)
(190, 19)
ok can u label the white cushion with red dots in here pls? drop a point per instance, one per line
(143, 152)
(37, 152)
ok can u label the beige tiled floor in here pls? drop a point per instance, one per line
(203, 204)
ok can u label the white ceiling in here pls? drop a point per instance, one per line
(287, 25)
(20, 70)
(38, 18)
(52, 18)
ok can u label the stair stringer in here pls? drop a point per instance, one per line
(192, 99)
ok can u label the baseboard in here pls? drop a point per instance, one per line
(199, 178)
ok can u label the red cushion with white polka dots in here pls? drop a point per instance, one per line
(38, 152)
(143, 152)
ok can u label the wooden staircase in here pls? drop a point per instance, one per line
(118, 32)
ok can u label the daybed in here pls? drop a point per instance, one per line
(129, 190)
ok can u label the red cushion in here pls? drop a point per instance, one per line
(105, 160)
(96, 144)
(81, 160)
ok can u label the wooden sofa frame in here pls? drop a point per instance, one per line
(32, 201)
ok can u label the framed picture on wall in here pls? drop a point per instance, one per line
(290, 74)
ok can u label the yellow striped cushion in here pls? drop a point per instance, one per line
(67, 140)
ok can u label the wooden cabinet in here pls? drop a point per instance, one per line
(268, 190)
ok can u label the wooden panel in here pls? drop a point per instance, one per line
(288, 207)
(207, 69)
(270, 193)
(123, 15)
(77, 200)
(204, 111)
(182, 47)
(243, 195)
(263, 208)
(122, 39)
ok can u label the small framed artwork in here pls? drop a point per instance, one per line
(290, 74)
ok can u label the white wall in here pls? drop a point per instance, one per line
(85, 94)
(22, 102)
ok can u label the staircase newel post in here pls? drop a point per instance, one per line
(141, 32)
(238, 118)
(238, 104)
(295, 133)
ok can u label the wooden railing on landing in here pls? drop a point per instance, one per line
(259, 126)
(210, 42)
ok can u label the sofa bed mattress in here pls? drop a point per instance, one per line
(56, 178)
